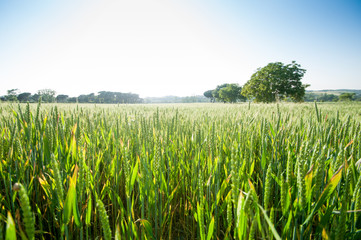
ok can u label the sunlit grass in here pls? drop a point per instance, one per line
(181, 171)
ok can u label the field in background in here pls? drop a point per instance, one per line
(181, 171)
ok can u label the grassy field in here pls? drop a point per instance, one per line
(196, 171)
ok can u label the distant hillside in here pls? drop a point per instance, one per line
(335, 91)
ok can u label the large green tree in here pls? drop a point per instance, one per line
(228, 92)
(276, 81)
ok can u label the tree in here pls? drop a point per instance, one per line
(327, 98)
(228, 92)
(231, 93)
(47, 95)
(276, 81)
(72, 100)
(344, 97)
(208, 94)
(215, 92)
(24, 97)
(11, 96)
(62, 98)
(35, 97)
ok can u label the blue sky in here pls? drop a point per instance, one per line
(157, 48)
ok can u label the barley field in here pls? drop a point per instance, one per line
(191, 171)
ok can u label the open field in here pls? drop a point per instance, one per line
(196, 171)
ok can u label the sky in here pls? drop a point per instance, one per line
(174, 47)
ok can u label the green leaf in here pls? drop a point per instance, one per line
(331, 186)
(88, 211)
(200, 220)
(241, 218)
(263, 158)
(272, 131)
(147, 227)
(286, 228)
(70, 199)
(251, 168)
(308, 182)
(68, 205)
(76, 210)
(210, 229)
(270, 224)
(10, 228)
(133, 176)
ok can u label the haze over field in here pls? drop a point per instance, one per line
(157, 48)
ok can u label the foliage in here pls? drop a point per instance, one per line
(332, 96)
(276, 81)
(225, 93)
(11, 95)
(209, 94)
(24, 97)
(231, 93)
(47, 95)
(323, 97)
(61, 98)
(347, 96)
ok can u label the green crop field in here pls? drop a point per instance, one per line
(196, 171)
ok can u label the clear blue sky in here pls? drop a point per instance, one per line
(183, 47)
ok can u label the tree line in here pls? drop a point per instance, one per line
(49, 96)
(276, 81)
(325, 97)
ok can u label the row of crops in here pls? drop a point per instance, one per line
(198, 171)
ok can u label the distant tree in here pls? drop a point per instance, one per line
(208, 94)
(215, 92)
(89, 98)
(327, 98)
(228, 92)
(35, 97)
(83, 98)
(310, 97)
(118, 97)
(276, 81)
(106, 97)
(72, 100)
(61, 98)
(346, 97)
(47, 95)
(24, 97)
(231, 93)
(12, 95)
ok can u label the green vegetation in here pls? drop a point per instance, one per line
(49, 96)
(196, 171)
(276, 81)
(272, 83)
(342, 95)
(228, 92)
